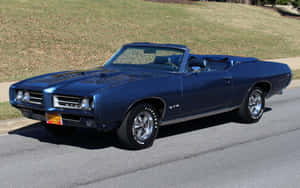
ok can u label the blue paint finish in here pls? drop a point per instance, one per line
(223, 83)
(208, 91)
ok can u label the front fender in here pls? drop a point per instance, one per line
(113, 103)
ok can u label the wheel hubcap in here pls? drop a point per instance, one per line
(142, 128)
(255, 104)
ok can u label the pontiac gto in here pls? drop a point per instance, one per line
(146, 85)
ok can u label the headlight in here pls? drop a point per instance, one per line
(26, 97)
(19, 95)
(85, 104)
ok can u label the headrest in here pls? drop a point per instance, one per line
(195, 61)
(161, 59)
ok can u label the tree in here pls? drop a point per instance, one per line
(296, 4)
(273, 3)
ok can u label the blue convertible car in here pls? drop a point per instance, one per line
(144, 86)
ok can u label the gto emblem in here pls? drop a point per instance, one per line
(174, 106)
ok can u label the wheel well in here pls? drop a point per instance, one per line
(157, 103)
(265, 86)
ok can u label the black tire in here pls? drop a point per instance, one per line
(125, 132)
(244, 113)
(58, 130)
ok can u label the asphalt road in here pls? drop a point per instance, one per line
(210, 152)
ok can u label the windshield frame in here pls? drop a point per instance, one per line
(181, 65)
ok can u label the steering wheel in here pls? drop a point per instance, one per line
(173, 65)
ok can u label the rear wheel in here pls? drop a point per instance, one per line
(140, 127)
(58, 130)
(253, 106)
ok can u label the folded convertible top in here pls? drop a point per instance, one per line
(224, 58)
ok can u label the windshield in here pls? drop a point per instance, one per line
(167, 59)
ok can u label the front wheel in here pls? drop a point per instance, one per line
(253, 106)
(140, 127)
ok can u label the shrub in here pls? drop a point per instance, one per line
(282, 2)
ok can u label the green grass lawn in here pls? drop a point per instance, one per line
(38, 36)
(8, 112)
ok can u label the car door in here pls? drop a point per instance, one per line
(206, 90)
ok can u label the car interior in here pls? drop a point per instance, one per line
(172, 60)
(202, 64)
(195, 64)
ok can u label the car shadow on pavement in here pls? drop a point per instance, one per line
(91, 139)
(83, 138)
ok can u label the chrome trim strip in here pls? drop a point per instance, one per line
(197, 116)
(32, 102)
(67, 119)
(39, 98)
(71, 97)
(69, 102)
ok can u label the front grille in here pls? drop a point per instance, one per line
(36, 97)
(69, 102)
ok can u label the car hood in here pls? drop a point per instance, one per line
(76, 82)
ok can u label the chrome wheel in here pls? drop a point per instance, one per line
(142, 128)
(255, 104)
